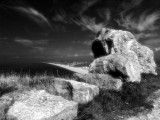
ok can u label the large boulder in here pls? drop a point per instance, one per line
(123, 42)
(40, 105)
(103, 81)
(118, 66)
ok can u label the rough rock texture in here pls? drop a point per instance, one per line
(77, 91)
(123, 42)
(103, 81)
(117, 65)
(40, 105)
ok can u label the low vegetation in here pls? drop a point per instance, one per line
(134, 102)
(131, 103)
(12, 84)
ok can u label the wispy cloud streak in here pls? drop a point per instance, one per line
(157, 49)
(86, 4)
(38, 17)
(90, 24)
(79, 8)
(145, 21)
(36, 45)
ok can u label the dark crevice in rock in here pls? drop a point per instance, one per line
(7, 90)
(118, 74)
(98, 49)
(109, 43)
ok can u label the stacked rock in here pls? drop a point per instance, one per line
(123, 55)
(119, 55)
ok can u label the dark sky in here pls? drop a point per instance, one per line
(63, 29)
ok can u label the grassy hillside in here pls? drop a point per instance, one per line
(135, 100)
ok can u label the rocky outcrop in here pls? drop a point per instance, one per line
(103, 81)
(118, 66)
(40, 105)
(123, 42)
(122, 53)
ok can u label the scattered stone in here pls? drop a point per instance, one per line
(118, 66)
(123, 42)
(104, 81)
(78, 91)
(40, 105)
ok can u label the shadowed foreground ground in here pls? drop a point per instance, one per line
(134, 102)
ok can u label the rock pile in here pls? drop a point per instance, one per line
(119, 59)
(119, 55)
(125, 44)
(59, 101)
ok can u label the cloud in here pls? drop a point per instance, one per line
(78, 8)
(38, 17)
(76, 55)
(79, 55)
(148, 35)
(90, 24)
(144, 26)
(60, 17)
(145, 22)
(36, 45)
(86, 4)
(105, 14)
(85, 42)
(91, 54)
(128, 5)
(157, 49)
(3, 38)
(24, 42)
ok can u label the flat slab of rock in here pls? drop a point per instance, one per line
(40, 105)
(103, 81)
(78, 91)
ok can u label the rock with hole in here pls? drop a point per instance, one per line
(112, 41)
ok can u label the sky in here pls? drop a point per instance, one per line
(46, 30)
